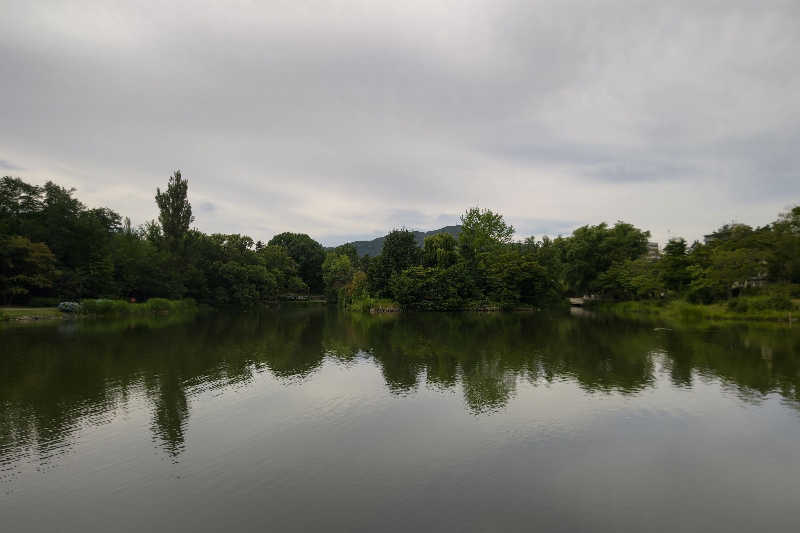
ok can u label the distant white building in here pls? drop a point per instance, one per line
(653, 252)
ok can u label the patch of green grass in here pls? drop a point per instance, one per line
(682, 311)
(29, 313)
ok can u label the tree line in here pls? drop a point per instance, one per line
(485, 267)
(53, 247)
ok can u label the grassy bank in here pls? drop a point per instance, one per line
(153, 306)
(681, 311)
(29, 313)
(373, 305)
(385, 305)
(103, 308)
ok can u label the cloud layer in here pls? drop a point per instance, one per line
(345, 119)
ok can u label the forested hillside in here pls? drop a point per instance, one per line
(375, 246)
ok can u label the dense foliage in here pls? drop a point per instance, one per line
(485, 268)
(51, 245)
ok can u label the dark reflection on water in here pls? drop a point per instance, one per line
(56, 381)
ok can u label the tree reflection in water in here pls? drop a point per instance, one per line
(55, 379)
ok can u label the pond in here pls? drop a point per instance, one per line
(307, 419)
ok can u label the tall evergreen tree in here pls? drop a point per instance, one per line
(175, 210)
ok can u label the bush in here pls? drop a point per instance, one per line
(97, 307)
(780, 303)
(103, 307)
(361, 305)
(69, 307)
(159, 305)
(120, 307)
(738, 305)
(688, 312)
(773, 300)
(700, 294)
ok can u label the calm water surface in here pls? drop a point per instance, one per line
(308, 419)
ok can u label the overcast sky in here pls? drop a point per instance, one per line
(346, 119)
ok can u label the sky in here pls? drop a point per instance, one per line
(346, 119)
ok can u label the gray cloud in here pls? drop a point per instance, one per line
(347, 119)
(8, 165)
(534, 227)
(204, 208)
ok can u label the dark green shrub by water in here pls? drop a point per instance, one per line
(104, 307)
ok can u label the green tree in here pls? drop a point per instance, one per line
(592, 250)
(25, 266)
(483, 234)
(784, 264)
(175, 211)
(482, 231)
(727, 270)
(515, 278)
(356, 292)
(138, 267)
(337, 271)
(789, 221)
(307, 253)
(440, 250)
(424, 288)
(632, 280)
(243, 284)
(400, 251)
(19, 203)
(348, 249)
(283, 267)
(675, 265)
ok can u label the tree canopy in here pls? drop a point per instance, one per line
(307, 253)
(53, 246)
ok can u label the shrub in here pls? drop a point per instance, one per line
(97, 307)
(738, 305)
(120, 307)
(780, 302)
(159, 305)
(362, 305)
(772, 300)
(700, 294)
(688, 312)
(69, 307)
(103, 307)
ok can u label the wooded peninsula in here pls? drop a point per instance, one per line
(54, 249)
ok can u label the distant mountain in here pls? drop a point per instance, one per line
(375, 246)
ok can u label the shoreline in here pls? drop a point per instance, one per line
(100, 308)
(30, 314)
(681, 311)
